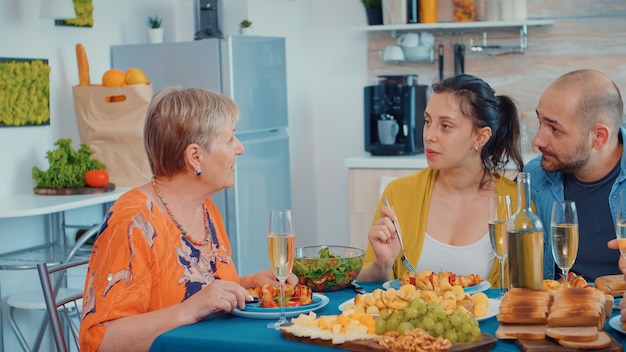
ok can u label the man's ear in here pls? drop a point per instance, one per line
(600, 134)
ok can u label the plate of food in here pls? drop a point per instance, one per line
(616, 323)
(492, 310)
(274, 313)
(480, 287)
(295, 303)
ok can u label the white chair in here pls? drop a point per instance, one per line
(68, 308)
(34, 300)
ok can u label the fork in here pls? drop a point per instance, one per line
(405, 261)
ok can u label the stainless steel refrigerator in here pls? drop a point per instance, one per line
(252, 71)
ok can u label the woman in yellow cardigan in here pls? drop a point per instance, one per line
(470, 135)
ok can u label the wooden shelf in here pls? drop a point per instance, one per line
(479, 25)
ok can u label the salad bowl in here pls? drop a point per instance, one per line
(327, 268)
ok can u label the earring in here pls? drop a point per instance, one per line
(198, 172)
(476, 148)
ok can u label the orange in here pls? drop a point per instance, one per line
(113, 78)
(135, 76)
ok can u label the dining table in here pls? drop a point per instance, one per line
(227, 332)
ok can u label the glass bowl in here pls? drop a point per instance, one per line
(327, 268)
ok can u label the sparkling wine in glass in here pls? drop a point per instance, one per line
(499, 213)
(564, 235)
(620, 225)
(281, 245)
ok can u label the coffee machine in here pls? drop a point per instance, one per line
(394, 115)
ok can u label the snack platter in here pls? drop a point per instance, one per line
(486, 343)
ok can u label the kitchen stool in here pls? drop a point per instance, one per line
(34, 300)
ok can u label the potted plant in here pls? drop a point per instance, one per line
(374, 11)
(155, 31)
(244, 27)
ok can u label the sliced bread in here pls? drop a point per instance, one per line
(521, 331)
(602, 341)
(577, 334)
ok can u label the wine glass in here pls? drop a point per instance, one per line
(281, 245)
(564, 235)
(620, 225)
(499, 213)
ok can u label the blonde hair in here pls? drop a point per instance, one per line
(178, 117)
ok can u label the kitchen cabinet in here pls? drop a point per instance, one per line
(367, 177)
(466, 27)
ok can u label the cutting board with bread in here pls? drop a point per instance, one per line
(567, 319)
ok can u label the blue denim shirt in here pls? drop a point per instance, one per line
(546, 187)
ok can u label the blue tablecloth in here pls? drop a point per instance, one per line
(225, 332)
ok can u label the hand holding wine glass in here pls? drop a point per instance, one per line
(499, 213)
(564, 235)
(281, 245)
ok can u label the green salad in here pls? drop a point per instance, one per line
(331, 273)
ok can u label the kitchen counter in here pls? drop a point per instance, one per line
(418, 161)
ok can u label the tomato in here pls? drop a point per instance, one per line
(97, 178)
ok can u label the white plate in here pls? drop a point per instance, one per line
(616, 323)
(342, 306)
(292, 312)
(492, 310)
(480, 287)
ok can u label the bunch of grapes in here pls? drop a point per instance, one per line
(432, 318)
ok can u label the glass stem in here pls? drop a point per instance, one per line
(502, 289)
(565, 276)
(282, 300)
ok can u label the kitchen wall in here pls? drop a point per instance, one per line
(586, 34)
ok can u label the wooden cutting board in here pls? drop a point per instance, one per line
(69, 191)
(549, 345)
(486, 343)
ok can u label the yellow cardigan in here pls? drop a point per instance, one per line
(410, 195)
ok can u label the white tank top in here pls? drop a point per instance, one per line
(477, 258)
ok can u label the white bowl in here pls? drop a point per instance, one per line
(419, 53)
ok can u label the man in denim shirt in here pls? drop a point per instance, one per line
(582, 159)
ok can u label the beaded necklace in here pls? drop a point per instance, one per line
(207, 227)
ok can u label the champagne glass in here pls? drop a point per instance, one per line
(281, 245)
(499, 214)
(564, 235)
(620, 226)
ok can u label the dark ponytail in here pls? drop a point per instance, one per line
(478, 101)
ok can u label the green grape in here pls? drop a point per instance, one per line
(384, 314)
(461, 337)
(410, 312)
(451, 336)
(438, 330)
(440, 314)
(455, 320)
(466, 327)
(393, 321)
(433, 306)
(405, 325)
(428, 323)
(381, 326)
(418, 302)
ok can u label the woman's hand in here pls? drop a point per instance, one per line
(220, 295)
(384, 238)
(265, 277)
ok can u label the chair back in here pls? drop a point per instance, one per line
(65, 313)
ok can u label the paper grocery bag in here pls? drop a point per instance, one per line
(112, 126)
